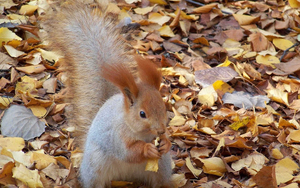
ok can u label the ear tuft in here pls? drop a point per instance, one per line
(120, 75)
(148, 72)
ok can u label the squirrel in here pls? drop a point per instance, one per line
(122, 112)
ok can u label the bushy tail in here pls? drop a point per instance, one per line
(88, 38)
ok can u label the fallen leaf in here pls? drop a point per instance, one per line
(267, 60)
(245, 100)
(28, 9)
(266, 177)
(166, 31)
(31, 178)
(278, 96)
(41, 160)
(54, 172)
(7, 35)
(12, 143)
(158, 18)
(245, 19)
(207, 96)
(24, 124)
(283, 44)
(209, 76)
(190, 166)
(204, 9)
(213, 165)
(12, 51)
(32, 69)
(6, 174)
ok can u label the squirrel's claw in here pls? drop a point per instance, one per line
(151, 151)
(165, 145)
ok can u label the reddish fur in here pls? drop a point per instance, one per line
(120, 76)
(148, 72)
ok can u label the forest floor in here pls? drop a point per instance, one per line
(231, 85)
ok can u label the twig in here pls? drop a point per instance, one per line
(201, 4)
(285, 51)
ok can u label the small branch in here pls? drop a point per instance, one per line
(201, 4)
(285, 51)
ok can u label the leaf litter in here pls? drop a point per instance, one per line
(231, 86)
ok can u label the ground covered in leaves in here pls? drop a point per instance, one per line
(231, 84)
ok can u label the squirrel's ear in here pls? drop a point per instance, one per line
(148, 72)
(120, 76)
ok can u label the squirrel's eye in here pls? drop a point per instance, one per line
(142, 114)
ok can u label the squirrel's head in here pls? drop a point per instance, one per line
(145, 111)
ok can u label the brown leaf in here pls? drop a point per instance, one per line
(258, 42)
(266, 178)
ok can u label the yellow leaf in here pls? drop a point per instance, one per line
(160, 2)
(49, 55)
(158, 18)
(143, 11)
(271, 110)
(113, 9)
(205, 8)
(289, 164)
(17, 17)
(226, 63)
(185, 16)
(206, 130)
(166, 31)
(179, 179)
(28, 9)
(220, 145)
(284, 170)
(264, 119)
(276, 154)
(152, 165)
(42, 160)
(7, 35)
(177, 121)
(207, 96)
(236, 125)
(267, 60)
(26, 85)
(38, 111)
(294, 3)
(245, 19)
(190, 166)
(12, 143)
(169, 71)
(284, 123)
(278, 96)
(222, 87)
(5, 101)
(124, 14)
(214, 165)
(293, 137)
(30, 178)
(283, 44)
(19, 156)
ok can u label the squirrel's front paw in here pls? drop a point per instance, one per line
(151, 151)
(164, 145)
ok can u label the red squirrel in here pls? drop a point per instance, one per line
(121, 111)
